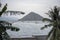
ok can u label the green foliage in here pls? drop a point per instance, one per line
(46, 19)
(5, 26)
(22, 13)
(54, 23)
(48, 25)
(3, 9)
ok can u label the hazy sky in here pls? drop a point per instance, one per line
(38, 6)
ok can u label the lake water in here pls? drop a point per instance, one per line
(28, 29)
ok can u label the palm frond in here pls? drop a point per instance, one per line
(56, 11)
(5, 22)
(12, 28)
(48, 25)
(48, 14)
(22, 13)
(6, 36)
(3, 9)
(52, 14)
(4, 28)
(55, 22)
(46, 19)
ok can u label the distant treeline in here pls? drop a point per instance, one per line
(13, 12)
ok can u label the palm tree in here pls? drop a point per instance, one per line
(4, 25)
(54, 21)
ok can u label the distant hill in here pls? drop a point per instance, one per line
(32, 16)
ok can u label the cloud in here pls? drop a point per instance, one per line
(39, 6)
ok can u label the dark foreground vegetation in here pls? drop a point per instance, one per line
(54, 22)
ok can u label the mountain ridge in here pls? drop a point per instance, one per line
(32, 16)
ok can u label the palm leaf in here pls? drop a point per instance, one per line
(3, 9)
(22, 13)
(6, 36)
(12, 28)
(46, 19)
(48, 14)
(46, 26)
(4, 28)
(5, 25)
(5, 22)
(55, 21)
